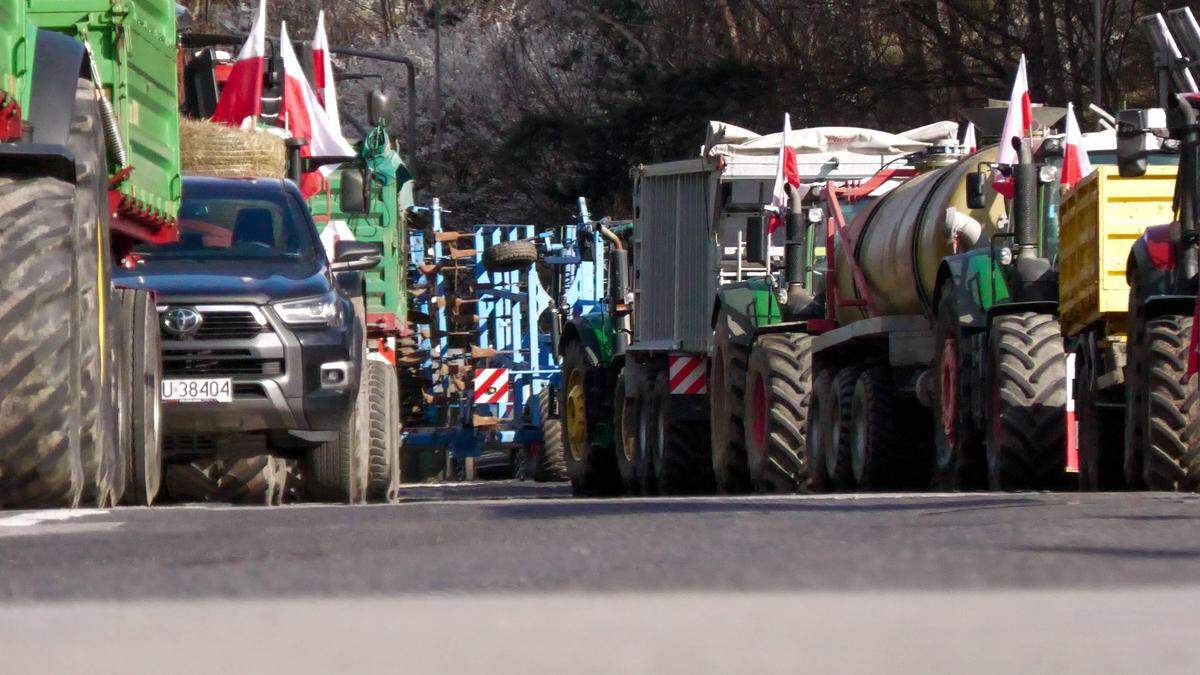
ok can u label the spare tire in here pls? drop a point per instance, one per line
(509, 256)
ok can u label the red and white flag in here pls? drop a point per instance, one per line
(968, 141)
(786, 172)
(241, 97)
(305, 119)
(323, 73)
(1076, 165)
(1019, 121)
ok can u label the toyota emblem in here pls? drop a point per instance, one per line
(182, 321)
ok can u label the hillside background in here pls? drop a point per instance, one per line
(545, 100)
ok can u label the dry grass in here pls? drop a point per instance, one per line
(209, 149)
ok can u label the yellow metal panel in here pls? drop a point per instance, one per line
(1101, 218)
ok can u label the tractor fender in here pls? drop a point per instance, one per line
(1151, 258)
(587, 330)
(58, 61)
(743, 306)
(954, 276)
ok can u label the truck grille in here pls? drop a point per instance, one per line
(232, 324)
(212, 362)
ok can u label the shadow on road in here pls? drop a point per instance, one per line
(1115, 551)
(599, 508)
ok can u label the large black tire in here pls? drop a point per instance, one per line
(58, 431)
(1171, 457)
(778, 385)
(1101, 429)
(258, 479)
(841, 414)
(628, 451)
(1026, 431)
(510, 255)
(960, 462)
(591, 464)
(143, 372)
(726, 398)
(193, 481)
(820, 424)
(882, 455)
(550, 466)
(682, 460)
(383, 476)
(337, 470)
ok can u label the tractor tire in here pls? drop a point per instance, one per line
(194, 481)
(143, 372)
(960, 462)
(682, 461)
(510, 256)
(550, 466)
(1101, 430)
(383, 474)
(628, 451)
(882, 456)
(1026, 443)
(727, 403)
(820, 422)
(1171, 457)
(259, 479)
(591, 465)
(837, 451)
(778, 387)
(58, 431)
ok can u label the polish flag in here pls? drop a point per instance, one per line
(305, 119)
(786, 172)
(968, 141)
(323, 73)
(1076, 165)
(241, 97)
(1019, 121)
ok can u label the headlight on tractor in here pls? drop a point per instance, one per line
(321, 310)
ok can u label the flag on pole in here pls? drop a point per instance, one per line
(305, 118)
(968, 141)
(1076, 165)
(786, 172)
(323, 73)
(1019, 121)
(241, 97)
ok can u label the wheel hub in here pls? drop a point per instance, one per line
(576, 416)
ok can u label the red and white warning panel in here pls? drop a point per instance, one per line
(491, 386)
(688, 374)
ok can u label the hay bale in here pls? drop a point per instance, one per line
(210, 149)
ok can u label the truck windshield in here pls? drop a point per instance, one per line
(226, 227)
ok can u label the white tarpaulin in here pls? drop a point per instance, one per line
(825, 140)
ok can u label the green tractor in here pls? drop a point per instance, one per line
(89, 167)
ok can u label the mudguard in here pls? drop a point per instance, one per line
(58, 61)
(1151, 258)
(968, 275)
(748, 305)
(594, 331)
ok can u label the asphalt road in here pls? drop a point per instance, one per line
(507, 577)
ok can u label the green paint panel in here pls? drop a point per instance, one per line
(752, 299)
(986, 280)
(600, 326)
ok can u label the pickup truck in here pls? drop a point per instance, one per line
(263, 347)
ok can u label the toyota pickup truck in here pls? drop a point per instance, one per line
(263, 347)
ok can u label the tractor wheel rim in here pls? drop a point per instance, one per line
(948, 372)
(759, 425)
(576, 416)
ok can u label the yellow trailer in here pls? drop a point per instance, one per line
(1100, 220)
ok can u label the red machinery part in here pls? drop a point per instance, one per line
(10, 118)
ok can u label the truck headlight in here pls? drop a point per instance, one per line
(323, 309)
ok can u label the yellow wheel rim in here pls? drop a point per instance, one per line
(576, 416)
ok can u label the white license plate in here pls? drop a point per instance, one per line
(219, 389)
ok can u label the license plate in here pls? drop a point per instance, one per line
(219, 389)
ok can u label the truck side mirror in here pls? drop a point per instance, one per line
(1135, 140)
(378, 107)
(757, 240)
(977, 190)
(352, 195)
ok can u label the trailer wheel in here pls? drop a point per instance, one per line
(877, 455)
(509, 256)
(778, 386)
(727, 403)
(57, 419)
(820, 423)
(143, 375)
(551, 465)
(1101, 430)
(1027, 424)
(591, 465)
(647, 436)
(682, 464)
(960, 459)
(384, 469)
(1171, 458)
(625, 425)
(837, 458)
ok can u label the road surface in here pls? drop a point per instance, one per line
(517, 577)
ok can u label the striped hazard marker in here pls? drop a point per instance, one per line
(491, 385)
(687, 374)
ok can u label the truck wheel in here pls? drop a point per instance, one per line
(57, 422)
(841, 414)
(625, 426)
(143, 373)
(726, 398)
(337, 470)
(1101, 429)
(384, 468)
(509, 256)
(877, 456)
(551, 466)
(959, 455)
(682, 463)
(778, 379)
(1171, 458)
(591, 466)
(820, 422)
(1027, 427)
